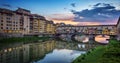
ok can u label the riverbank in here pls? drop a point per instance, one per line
(102, 54)
(22, 39)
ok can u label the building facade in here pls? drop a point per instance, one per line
(14, 21)
(50, 27)
(118, 29)
(22, 22)
(8, 23)
(23, 17)
(91, 29)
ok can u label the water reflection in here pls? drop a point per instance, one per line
(82, 38)
(102, 39)
(98, 38)
(33, 52)
(61, 56)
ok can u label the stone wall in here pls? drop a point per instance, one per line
(9, 35)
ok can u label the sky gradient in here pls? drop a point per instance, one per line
(76, 12)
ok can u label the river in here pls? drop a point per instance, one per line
(51, 51)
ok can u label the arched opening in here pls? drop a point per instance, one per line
(81, 38)
(102, 39)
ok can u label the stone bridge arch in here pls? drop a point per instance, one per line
(76, 34)
(71, 36)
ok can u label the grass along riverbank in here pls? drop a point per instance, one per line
(22, 39)
(102, 54)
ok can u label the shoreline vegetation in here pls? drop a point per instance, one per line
(102, 54)
(22, 39)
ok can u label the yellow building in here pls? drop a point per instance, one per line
(53, 29)
(105, 31)
(50, 27)
(36, 26)
(113, 31)
(39, 24)
(42, 26)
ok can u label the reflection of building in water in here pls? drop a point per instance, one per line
(25, 55)
(26, 52)
(74, 46)
(11, 55)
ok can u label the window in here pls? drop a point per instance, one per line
(9, 14)
(1, 24)
(9, 21)
(1, 20)
(1, 27)
(8, 18)
(6, 27)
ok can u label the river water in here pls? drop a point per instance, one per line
(51, 51)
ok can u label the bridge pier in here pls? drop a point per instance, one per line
(69, 36)
(91, 38)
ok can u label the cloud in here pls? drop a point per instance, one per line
(101, 5)
(89, 23)
(101, 12)
(73, 4)
(66, 22)
(61, 17)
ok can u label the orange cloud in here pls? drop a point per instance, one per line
(77, 23)
(66, 22)
(68, 18)
(89, 23)
(61, 17)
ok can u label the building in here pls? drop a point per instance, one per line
(53, 29)
(14, 21)
(50, 27)
(43, 24)
(38, 24)
(23, 17)
(106, 31)
(8, 23)
(118, 29)
(88, 29)
(118, 25)
(22, 22)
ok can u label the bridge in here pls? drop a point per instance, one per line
(90, 31)
(91, 36)
(111, 30)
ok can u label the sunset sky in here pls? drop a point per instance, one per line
(76, 12)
